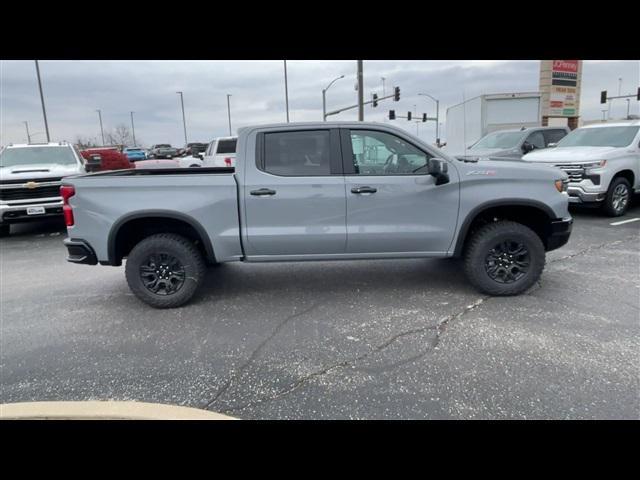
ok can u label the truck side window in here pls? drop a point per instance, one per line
(303, 153)
(536, 139)
(553, 136)
(380, 153)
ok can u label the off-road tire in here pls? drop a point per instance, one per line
(608, 204)
(480, 245)
(181, 249)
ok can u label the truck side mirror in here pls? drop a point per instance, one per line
(438, 168)
(527, 147)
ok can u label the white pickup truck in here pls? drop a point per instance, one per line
(221, 153)
(30, 179)
(603, 164)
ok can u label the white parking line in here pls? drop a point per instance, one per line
(625, 221)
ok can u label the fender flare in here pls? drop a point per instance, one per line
(115, 229)
(504, 202)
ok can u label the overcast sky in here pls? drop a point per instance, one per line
(75, 89)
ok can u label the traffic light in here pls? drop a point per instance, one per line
(375, 100)
(392, 114)
(603, 96)
(396, 94)
(409, 116)
(424, 117)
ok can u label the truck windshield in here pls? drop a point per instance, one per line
(499, 140)
(600, 137)
(11, 157)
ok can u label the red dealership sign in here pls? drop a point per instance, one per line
(570, 66)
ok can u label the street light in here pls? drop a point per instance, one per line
(324, 97)
(384, 93)
(133, 129)
(26, 124)
(437, 116)
(286, 90)
(101, 129)
(44, 112)
(229, 111)
(184, 121)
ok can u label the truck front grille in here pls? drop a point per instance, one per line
(575, 172)
(22, 193)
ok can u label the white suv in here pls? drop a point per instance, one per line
(30, 178)
(603, 164)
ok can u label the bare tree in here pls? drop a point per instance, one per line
(121, 135)
(85, 142)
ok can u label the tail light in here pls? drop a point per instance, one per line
(227, 161)
(67, 191)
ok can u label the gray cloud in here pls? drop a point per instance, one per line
(75, 89)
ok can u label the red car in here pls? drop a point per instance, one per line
(101, 159)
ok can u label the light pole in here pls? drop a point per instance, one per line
(360, 92)
(229, 111)
(628, 104)
(384, 93)
(44, 112)
(184, 121)
(133, 129)
(286, 90)
(437, 116)
(324, 97)
(101, 129)
(26, 124)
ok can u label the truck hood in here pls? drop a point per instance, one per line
(570, 154)
(508, 169)
(491, 152)
(41, 170)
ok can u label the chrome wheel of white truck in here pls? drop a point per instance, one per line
(618, 196)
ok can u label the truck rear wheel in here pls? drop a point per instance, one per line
(618, 196)
(165, 270)
(504, 258)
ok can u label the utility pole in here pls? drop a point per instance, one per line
(360, 93)
(101, 129)
(628, 104)
(383, 90)
(184, 120)
(26, 124)
(133, 129)
(229, 111)
(44, 111)
(437, 116)
(286, 90)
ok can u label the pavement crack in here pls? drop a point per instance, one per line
(439, 328)
(255, 354)
(594, 247)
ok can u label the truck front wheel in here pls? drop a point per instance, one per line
(165, 270)
(617, 200)
(5, 230)
(504, 258)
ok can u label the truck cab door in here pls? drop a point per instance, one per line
(394, 206)
(294, 196)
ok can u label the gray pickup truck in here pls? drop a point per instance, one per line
(319, 191)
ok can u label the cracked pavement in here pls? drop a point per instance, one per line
(388, 339)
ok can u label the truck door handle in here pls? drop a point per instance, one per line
(364, 190)
(262, 192)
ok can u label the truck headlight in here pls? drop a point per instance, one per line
(562, 185)
(598, 164)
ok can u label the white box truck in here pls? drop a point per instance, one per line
(472, 119)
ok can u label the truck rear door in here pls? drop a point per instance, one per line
(393, 204)
(295, 199)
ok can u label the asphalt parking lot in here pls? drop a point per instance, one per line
(387, 339)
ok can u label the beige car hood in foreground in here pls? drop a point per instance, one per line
(103, 410)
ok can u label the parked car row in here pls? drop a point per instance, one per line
(601, 160)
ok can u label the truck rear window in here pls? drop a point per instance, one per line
(305, 153)
(227, 146)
